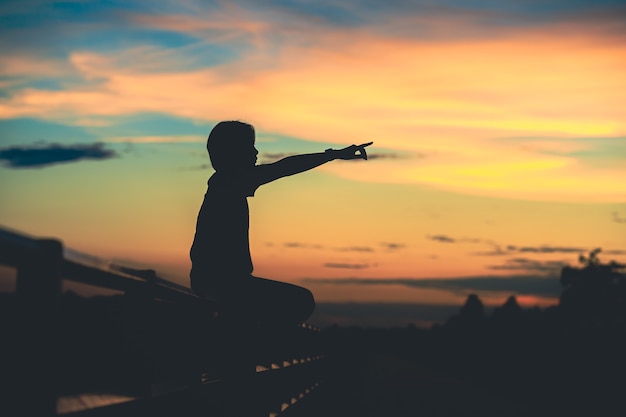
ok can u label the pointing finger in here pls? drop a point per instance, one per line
(361, 153)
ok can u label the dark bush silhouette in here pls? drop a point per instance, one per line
(595, 294)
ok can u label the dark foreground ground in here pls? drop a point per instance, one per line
(537, 363)
(395, 387)
(409, 372)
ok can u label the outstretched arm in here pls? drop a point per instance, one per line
(299, 163)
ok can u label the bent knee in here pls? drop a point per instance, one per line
(308, 301)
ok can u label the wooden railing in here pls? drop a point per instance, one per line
(150, 347)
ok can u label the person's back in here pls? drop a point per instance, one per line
(220, 251)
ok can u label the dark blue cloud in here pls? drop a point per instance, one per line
(36, 25)
(55, 29)
(47, 155)
(353, 12)
(485, 13)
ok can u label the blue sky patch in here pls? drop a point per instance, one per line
(27, 131)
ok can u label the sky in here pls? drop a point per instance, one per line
(499, 132)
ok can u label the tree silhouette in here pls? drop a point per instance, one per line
(473, 310)
(471, 316)
(594, 295)
(509, 316)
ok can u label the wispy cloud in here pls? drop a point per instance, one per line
(269, 157)
(441, 238)
(317, 246)
(502, 250)
(537, 285)
(48, 155)
(498, 249)
(448, 239)
(530, 265)
(380, 155)
(392, 246)
(617, 218)
(300, 245)
(388, 246)
(342, 265)
(545, 249)
(355, 249)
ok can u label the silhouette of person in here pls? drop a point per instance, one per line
(220, 254)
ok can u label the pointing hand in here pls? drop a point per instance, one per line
(353, 152)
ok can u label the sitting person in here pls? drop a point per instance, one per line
(220, 254)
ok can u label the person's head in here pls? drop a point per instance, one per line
(231, 146)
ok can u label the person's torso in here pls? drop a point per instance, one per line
(221, 243)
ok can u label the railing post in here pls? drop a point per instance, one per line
(38, 291)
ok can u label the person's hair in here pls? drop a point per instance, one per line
(226, 141)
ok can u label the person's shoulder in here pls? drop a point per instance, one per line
(262, 170)
(220, 183)
(234, 183)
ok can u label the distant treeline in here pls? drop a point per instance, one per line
(567, 360)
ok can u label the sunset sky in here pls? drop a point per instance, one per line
(499, 132)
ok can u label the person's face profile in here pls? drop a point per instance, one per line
(253, 154)
(249, 154)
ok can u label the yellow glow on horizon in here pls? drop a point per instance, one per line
(497, 169)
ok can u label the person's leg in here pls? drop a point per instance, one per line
(243, 305)
(278, 302)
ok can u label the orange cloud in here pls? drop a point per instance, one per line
(451, 99)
